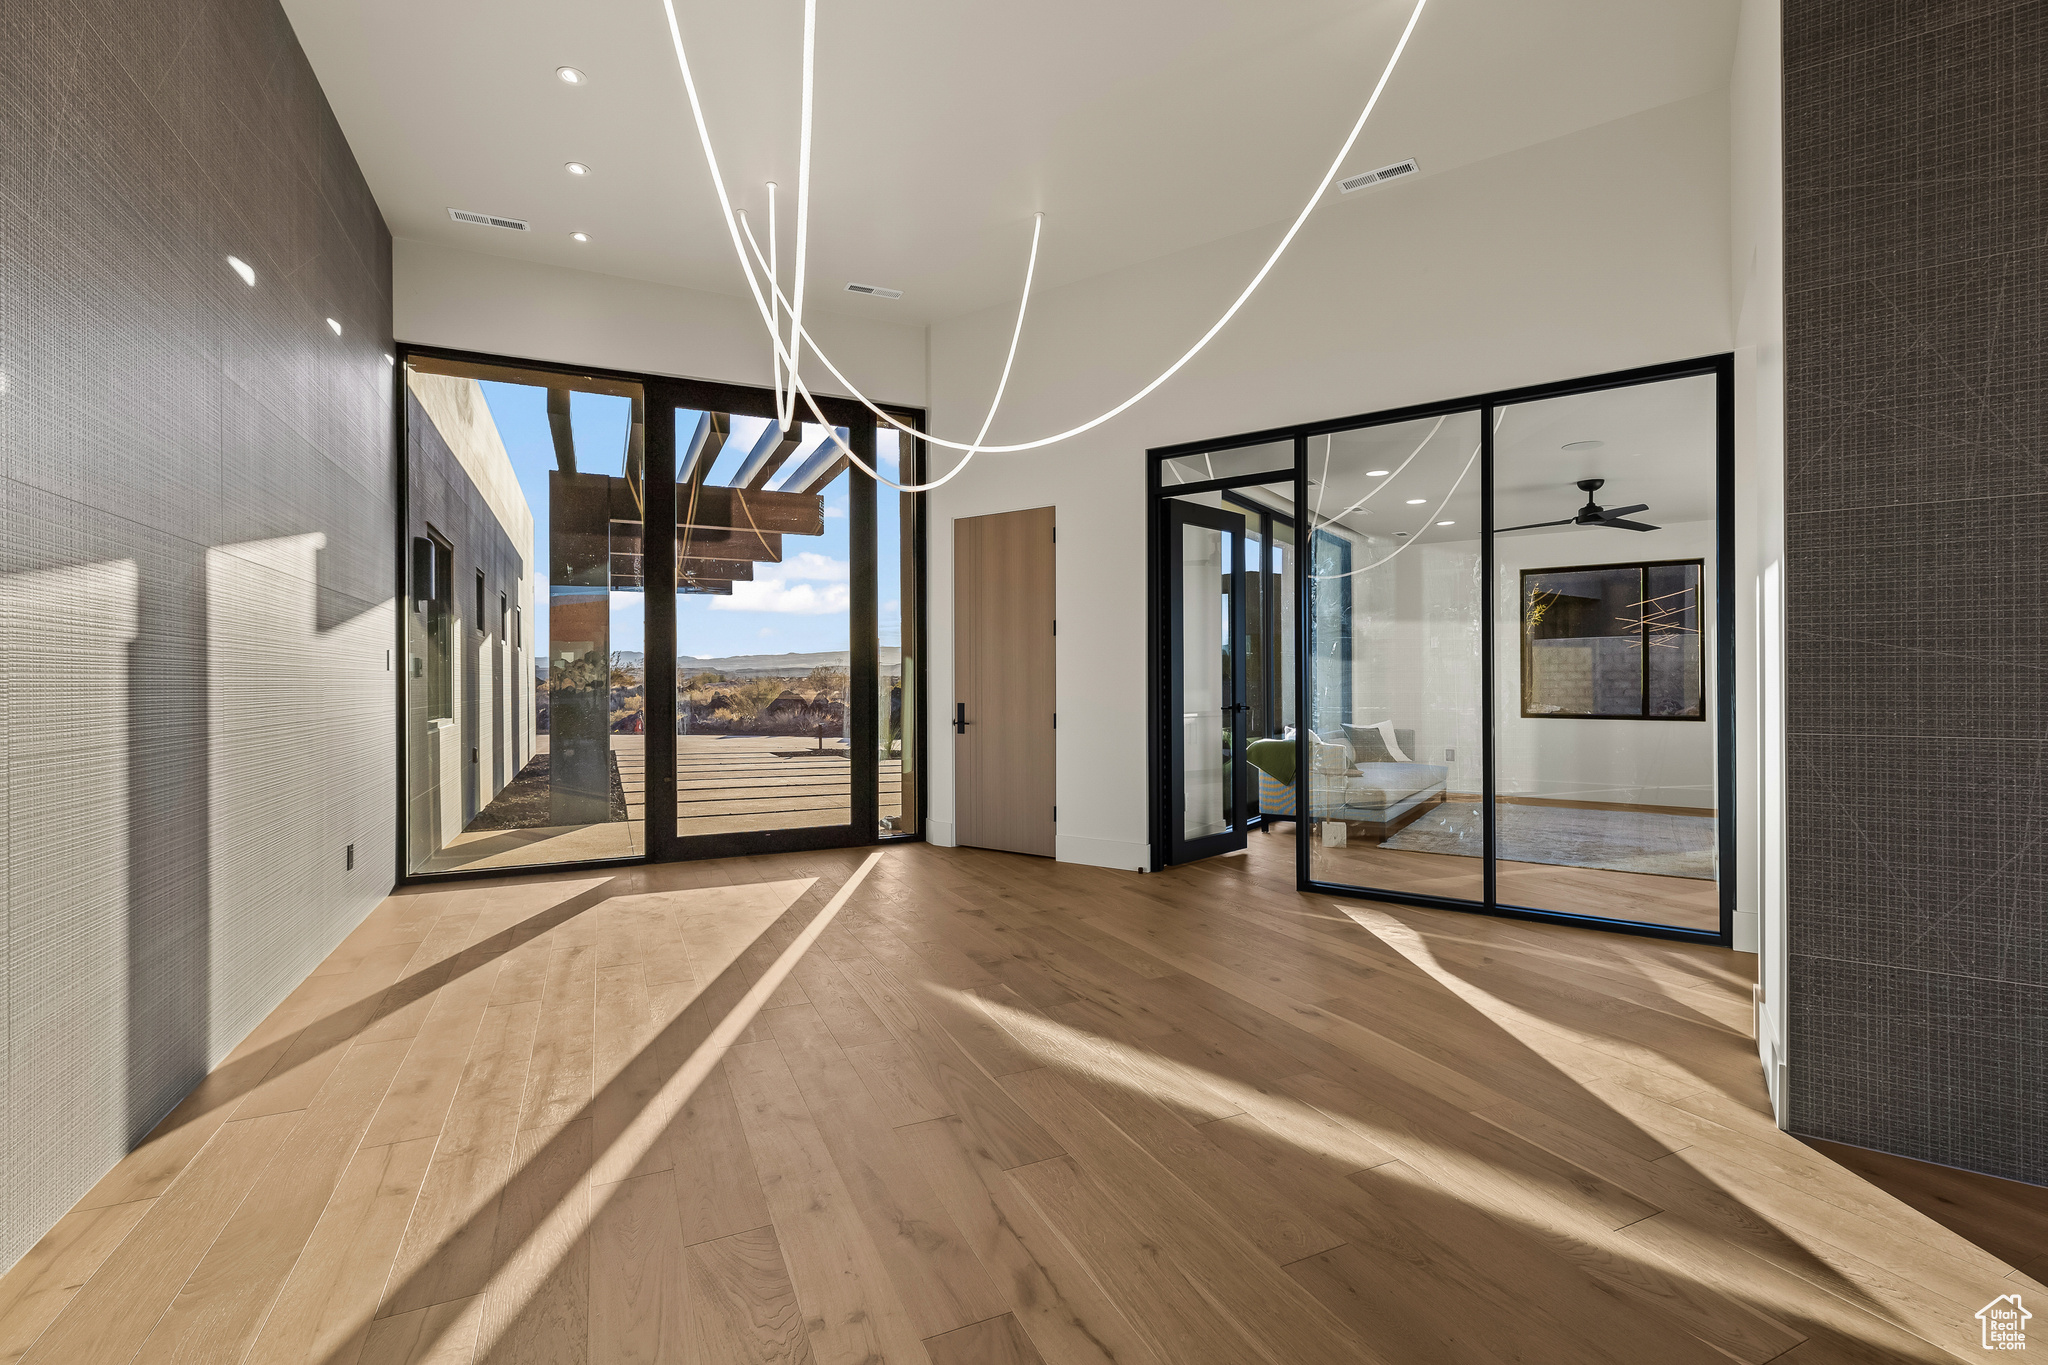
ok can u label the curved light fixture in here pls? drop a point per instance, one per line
(579, 236)
(569, 75)
(1373, 492)
(575, 168)
(800, 338)
(1472, 459)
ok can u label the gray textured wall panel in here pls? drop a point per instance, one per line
(1916, 279)
(196, 481)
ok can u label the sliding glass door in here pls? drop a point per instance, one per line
(1513, 648)
(1604, 712)
(1393, 742)
(733, 682)
(775, 621)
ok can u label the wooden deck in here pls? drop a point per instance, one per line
(979, 1108)
(724, 784)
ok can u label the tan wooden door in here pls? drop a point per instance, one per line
(1003, 638)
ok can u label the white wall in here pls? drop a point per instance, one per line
(1757, 303)
(1650, 763)
(1416, 655)
(468, 301)
(1595, 252)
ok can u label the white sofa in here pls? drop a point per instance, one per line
(1372, 799)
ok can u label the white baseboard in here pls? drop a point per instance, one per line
(1771, 1052)
(1745, 931)
(939, 832)
(1075, 848)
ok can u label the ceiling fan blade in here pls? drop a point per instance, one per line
(1611, 513)
(1626, 525)
(1503, 530)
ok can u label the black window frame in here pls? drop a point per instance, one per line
(1643, 630)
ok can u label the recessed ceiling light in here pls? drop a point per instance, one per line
(576, 168)
(579, 236)
(334, 326)
(1447, 523)
(244, 269)
(570, 75)
(1375, 473)
(390, 359)
(1582, 445)
(1417, 502)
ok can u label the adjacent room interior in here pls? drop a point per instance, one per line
(1052, 685)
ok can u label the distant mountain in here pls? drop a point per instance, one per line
(752, 665)
(890, 655)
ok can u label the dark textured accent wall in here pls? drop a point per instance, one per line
(1916, 282)
(196, 542)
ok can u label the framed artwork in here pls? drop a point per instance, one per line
(1613, 641)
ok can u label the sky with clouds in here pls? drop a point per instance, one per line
(799, 606)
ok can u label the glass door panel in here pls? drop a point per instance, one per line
(765, 706)
(1268, 648)
(1604, 714)
(524, 677)
(897, 614)
(1392, 750)
(1206, 611)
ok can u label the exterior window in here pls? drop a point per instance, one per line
(481, 627)
(1613, 642)
(434, 593)
(504, 618)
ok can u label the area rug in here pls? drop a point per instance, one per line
(1621, 841)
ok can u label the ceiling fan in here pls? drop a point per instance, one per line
(1592, 514)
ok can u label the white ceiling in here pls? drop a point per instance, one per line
(1140, 128)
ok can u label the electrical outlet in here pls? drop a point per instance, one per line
(1450, 755)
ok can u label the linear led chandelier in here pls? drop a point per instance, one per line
(773, 304)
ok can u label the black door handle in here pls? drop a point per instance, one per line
(960, 721)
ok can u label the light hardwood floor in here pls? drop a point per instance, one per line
(997, 1109)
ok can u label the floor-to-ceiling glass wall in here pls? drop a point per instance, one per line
(1511, 634)
(764, 614)
(522, 661)
(898, 617)
(1605, 746)
(1393, 741)
(538, 677)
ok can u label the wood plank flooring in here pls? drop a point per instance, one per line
(1682, 902)
(949, 1106)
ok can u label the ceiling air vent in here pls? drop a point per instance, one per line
(489, 220)
(871, 289)
(1380, 176)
